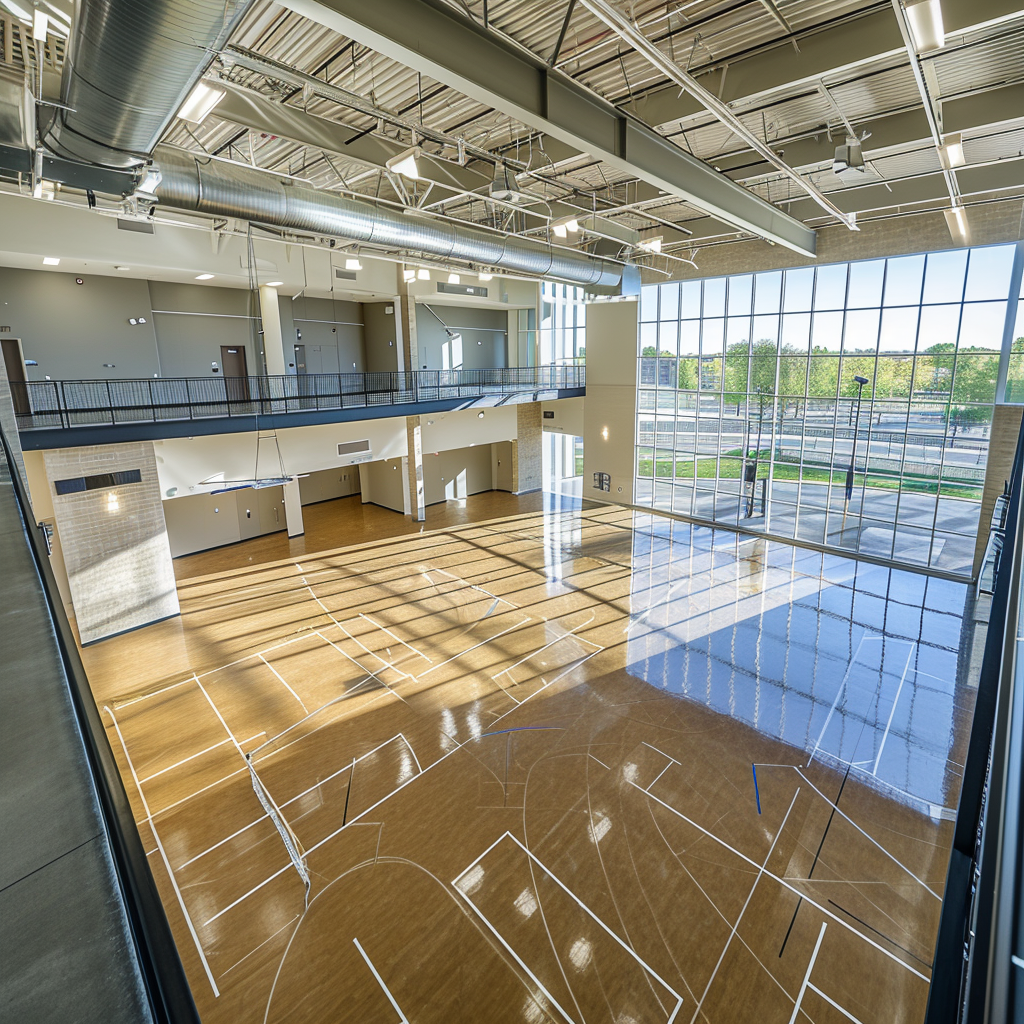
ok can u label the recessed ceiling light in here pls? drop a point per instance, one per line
(203, 277)
(274, 284)
(925, 17)
(422, 274)
(51, 261)
(353, 264)
(479, 415)
(200, 102)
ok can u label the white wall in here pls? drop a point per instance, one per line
(501, 466)
(448, 430)
(197, 522)
(383, 483)
(328, 484)
(567, 416)
(457, 474)
(609, 411)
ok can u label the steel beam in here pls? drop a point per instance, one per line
(430, 37)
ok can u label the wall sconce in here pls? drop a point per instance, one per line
(113, 505)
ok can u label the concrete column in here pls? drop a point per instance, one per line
(293, 508)
(405, 321)
(273, 339)
(527, 453)
(414, 469)
(114, 539)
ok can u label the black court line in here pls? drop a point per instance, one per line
(348, 792)
(881, 935)
(815, 864)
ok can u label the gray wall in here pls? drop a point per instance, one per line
(381, 337)
(328, 483)
(332, 331)
(457, 474)
(72, 329)
(484, 336)
(193, 321)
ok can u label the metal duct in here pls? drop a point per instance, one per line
(130, 66)
(227, 190)
(17, 122)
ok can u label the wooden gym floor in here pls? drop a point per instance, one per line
(588, 766)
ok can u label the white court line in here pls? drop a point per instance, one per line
(282, 682)
(663, 754)
(807, 976)
(895, 700)
(413, 752)
(635, 620)
(482, 643)
(466, 583)
(839, 693)
(287, 867)
(260, 946)
(184, 760)
(163, 855)
(560, 675)
(363, 668)
(743, 910)
(643, 964)
(380, 981)
(832, 1002)
(384, 629)
(565, 636)
(185, 799)
(783, 882)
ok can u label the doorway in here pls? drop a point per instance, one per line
(14, 361)
(236, 375)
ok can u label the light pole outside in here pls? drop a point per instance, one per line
(861, 381)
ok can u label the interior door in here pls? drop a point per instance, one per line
(14, 361)
(236, 376)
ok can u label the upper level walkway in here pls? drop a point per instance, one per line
(103, 411)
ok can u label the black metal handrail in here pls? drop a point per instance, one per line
(163, 975)
(960, 992)
(64, 404)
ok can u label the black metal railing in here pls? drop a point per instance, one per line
(974, 978)
(51, 404)
(170, 999)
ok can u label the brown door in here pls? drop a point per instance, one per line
(232, 362)
(15, 364)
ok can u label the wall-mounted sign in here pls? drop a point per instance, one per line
(549, 414)
(602, 481)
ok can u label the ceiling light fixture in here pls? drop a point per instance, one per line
(957, 223)
(405, 163)
(559, 230)
(925, 18)
(408, 275)
(40, 23)
(200, 102)
(454, 278)
(485, 276)
(951, 152)
(422, 274)
(122, 268)
(51, 261)
(651, 244)
(204, 277)
(274, 284)
(353, 264)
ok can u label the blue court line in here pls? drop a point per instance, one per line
(757, 796)
(519, 728)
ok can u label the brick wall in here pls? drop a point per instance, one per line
(114, 540)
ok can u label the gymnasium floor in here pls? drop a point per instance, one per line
(588, 766)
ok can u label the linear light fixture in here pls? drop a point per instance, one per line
(40, 23)
(951, 152)
(353, 264)
(925, 18)
(405, 163)
(454, 278)
(651, 244)
(956, 221)
(51, 261)
(559, 230)
(200, 102)
(274, 284)
(204, 277)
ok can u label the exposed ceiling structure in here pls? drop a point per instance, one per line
(645, 125)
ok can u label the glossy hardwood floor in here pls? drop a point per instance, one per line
(587, 765)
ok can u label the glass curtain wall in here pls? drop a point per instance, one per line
(563, 325)
(847, 404)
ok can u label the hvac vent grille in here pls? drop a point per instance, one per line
(353, 447)
(461, 289)
(345, 275)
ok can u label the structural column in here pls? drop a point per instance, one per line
(293, 508)
(527, 452)
(405, 322)
(273, 338)
(414, 468)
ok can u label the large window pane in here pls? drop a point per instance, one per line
(714, 297)
(1015, 370)
(860, 333)
(988, 273)
(827, 332)
(768, 292)
(668, 307)
(944, 276)
(981, 328)
(689, 337)
(649, 303)
(866, 284)
(903, 277)
(649, 339)
(898, 331)
(690, 300)
(741, 290)
(830, 287)
(798, 289)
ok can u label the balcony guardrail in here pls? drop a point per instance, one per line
(57, 404)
